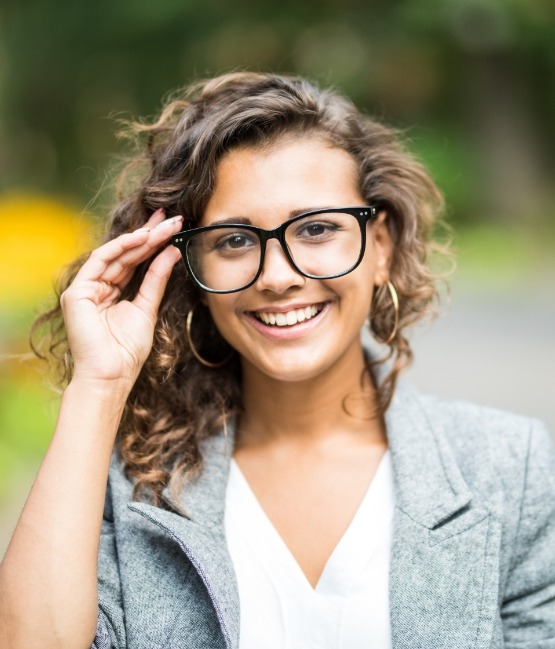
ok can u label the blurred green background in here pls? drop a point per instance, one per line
(471, 83)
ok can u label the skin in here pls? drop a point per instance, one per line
(48, 577)
(308, 458)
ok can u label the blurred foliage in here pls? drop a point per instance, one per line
(470, 79)
(38, 236)
(26, 417)
(469, 82)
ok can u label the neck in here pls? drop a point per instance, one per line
(339, 400)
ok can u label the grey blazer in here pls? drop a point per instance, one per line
(473, 556)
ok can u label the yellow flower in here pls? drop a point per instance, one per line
(38, 236)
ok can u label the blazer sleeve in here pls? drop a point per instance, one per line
(528, 608)
(110, 629)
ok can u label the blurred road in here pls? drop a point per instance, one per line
(494, 348)
(497, 349)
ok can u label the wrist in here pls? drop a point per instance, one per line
(113, 390)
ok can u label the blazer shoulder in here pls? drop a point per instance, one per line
(490, 446)
(468, 424)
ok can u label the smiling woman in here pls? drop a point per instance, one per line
(271, 485)
(348, 253)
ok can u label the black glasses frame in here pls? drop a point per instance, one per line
(361, 214)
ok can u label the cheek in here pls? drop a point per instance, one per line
(364, 301)
(355, 295)
(368, 285)
(365, 278)
(222, 310)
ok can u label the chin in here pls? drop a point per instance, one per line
(290, 370)
(294, 376)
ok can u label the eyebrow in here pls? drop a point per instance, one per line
(243, 220)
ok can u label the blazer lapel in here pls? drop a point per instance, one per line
(201, 535)
(444, 561)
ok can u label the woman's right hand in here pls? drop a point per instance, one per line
(48, 577)
(110, 338)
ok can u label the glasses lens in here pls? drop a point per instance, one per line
(324, 245)
(224, 259)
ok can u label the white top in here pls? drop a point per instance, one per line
(348, 609)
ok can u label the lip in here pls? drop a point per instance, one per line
(285, 308)
(289, 332)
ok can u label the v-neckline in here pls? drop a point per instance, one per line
(353, 550)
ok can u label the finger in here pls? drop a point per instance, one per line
(155, 281)
(155, 218)
(101, 294)
(106, 293)
(116, 260)
(101, 257)
(121, 269)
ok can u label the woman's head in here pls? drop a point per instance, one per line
(177, 401)
(280, 223)
(244, 110)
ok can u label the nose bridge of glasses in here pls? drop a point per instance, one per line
(278, 234)
(275, 233)
(278, 248)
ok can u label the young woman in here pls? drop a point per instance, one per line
(271, 486)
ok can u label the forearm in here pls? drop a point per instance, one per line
(48, 579)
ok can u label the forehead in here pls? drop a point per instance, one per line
(266, 185)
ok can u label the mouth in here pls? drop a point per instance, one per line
(288, 318)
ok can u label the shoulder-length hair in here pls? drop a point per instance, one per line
(177, 402)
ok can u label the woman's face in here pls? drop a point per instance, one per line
(267, 187)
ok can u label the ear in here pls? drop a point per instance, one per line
(383, 245)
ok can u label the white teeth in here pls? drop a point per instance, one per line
(290, 317)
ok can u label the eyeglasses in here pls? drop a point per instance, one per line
(322, 244)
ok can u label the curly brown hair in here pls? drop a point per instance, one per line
(177, 402)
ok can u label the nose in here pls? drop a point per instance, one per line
(278, 275)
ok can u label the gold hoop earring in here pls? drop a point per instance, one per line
(200, 359)
(395, 301)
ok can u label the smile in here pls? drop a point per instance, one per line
(288, 318)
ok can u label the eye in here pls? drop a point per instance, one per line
(235, 241)
(316, 229)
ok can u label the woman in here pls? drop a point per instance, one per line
(271, 487)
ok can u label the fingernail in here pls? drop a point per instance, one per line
(142, 230)
(159, 211)
(172, 221)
